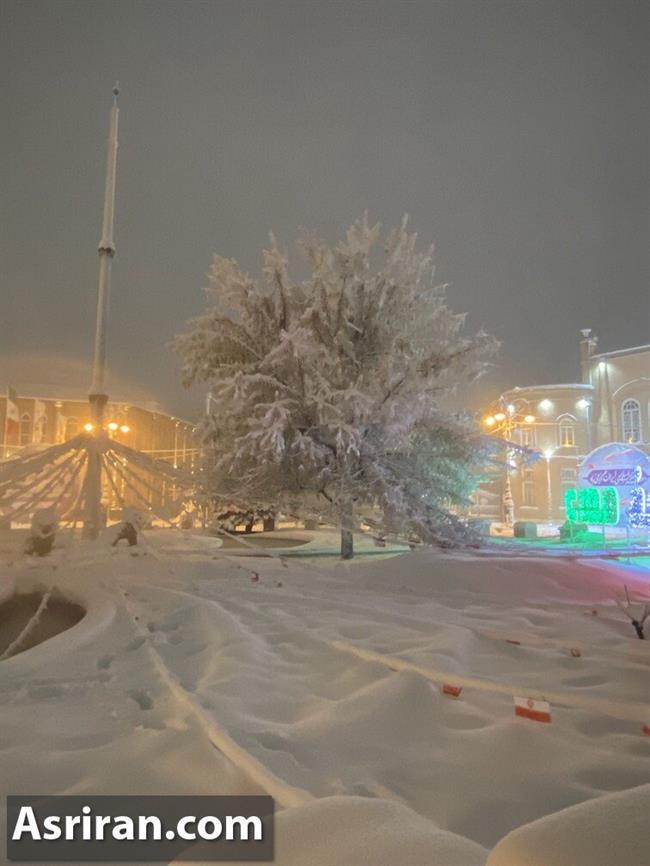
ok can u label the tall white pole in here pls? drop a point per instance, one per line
(98, 397)
(106, 252)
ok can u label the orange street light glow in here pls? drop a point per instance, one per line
(89, 427)
(500, 417)
(490, 421)
(125, 428)
(529, 419)
(113, 425)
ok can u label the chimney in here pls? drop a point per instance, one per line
(587, 348)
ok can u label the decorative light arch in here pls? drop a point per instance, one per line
(69, 475)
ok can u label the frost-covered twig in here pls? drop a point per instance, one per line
(637, 616)
(13, 647)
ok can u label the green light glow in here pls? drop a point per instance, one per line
(597, 505)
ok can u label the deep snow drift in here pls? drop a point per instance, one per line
(320, 682)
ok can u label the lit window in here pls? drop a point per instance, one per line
(631, 418)
(25, 429)
(42, 430)
(527, 436)
(528, 488)
(567, 433)
(567, 478)
(71, 427)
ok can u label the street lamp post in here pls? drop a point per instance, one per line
(503, 423)
(549, 490)
(176, 423)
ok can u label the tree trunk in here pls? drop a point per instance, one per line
(269, 524)
(347, 544)
(347, 540)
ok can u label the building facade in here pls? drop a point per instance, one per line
(44, 418)
(611, 404)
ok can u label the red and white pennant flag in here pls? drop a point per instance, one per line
(528, 708)
(451, 691)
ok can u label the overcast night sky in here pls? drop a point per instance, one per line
(515, 134)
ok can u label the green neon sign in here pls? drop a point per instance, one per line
(592, 505)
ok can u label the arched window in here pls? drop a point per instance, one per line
(527, 436)
(25, 429)
(567, 430)
(528, 488)
(631, 421)
(71, 427)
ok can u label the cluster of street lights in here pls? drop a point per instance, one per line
(503, 423)
(508, 420)
(113, 426)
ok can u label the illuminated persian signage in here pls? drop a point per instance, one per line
(613, 477)
(623, 469)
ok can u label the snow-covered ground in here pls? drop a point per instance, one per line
(200, 671)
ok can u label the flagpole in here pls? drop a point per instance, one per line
(98, 397)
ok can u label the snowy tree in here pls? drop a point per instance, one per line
(328, 394)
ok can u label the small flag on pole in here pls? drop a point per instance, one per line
(515, 642)
(528, 708)
(575, 652)
(451, 691)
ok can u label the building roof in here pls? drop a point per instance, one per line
(76, 392)
(575, 386)
(72, 393)
(633, 351)
(46, 376)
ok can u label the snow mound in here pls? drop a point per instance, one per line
(481, 577)
(360, 831)
(612, 829)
